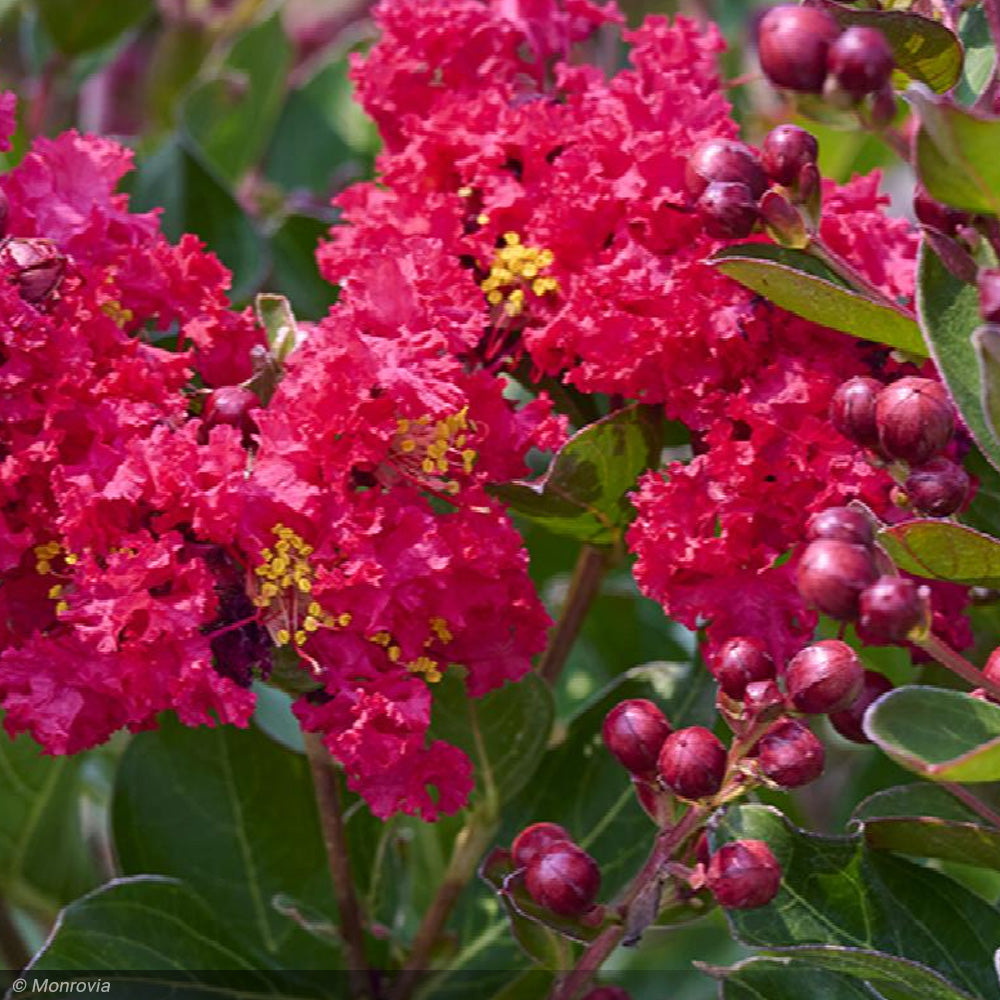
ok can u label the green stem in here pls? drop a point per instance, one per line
(957, 663)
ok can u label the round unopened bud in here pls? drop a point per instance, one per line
(790, 755)
(832, 574)
(938, 487)
(563, 878)
(989, 294)
(824, 677)
(608, 993)
(535, 838)
(890, 608)
(793, 43)
(934, 215)
(743, 874)
(852, 410)
(786, 150)
(738, 662)
(724, 161)
(783, 220)
(693, 763)
(728, 210)
(232, 405)
(842, 524)
(915, 419)
(861, 61)
(35, 266)
(761, 697)
(848, 721)
(634, 731)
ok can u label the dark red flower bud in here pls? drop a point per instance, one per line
(783, 220)
(741, 660)
(884, 107)
(934, 215)
(861, 61)
(702, 854)
(744, 874)
(634, 731)
(915, 419)
(890, 608)
(232, 405)
(761, 697)
(810, 188)
(35, 266)
(563, 878)
(790, 755)
(793, 43)
(728, 210)
(989, 295)
(848, 721)
(824, 677)
(842, 524)
(608, 993)
(852, 410)
(724, 161)
(693, 763)
(937, 488)
(832, 574)
(786, 150)
(535, 838)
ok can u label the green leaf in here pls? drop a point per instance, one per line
(528, 986)
(232, 814)
(980, 54)
(77, 26)
(949, 314)
(584, 494)
(867, 913)
(195, 200)
(763, 978)
(926, 821)
(295, 274)
(924, 50)
(956, 154)
(938, 733)
(231, 117)
(943, 550)
(505, 732)
(986, 342)
(798, 282)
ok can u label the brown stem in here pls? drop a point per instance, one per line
(326, 783)
(583, 588)
(12, 947)
(975, 804)
(957, 663)
(852, 276)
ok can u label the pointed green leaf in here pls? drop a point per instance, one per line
(980, 54)
(986, 341)
(798, 282)
(943, 550)
(77, 26)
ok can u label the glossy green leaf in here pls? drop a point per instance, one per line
(949, 314)
(980, 54)
(77, 26)
(986, 342)
(584, 495)
(868, 913)
(943, 550)
(194, 200)
(928, 822)
(504, 733)
(924, 50)
(956, 154)
(798, 282)
(232, 116)
(938, 733)
(232, 814)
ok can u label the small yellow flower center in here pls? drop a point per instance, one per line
(428, 450)
(516, 272)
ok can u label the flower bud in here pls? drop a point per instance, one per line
(634, 731)
(824, 677)
(728, 210)
(890, 608)
(884, 107)
(743, 874)
(852, 410)
(563, 878)
(761, 697)
(938, 488)
(724, 161)
(832, 574)
(790, 755)
(915, 419)
(35, 266)
(535, 838)
(786, 150)
(232, 405)
(861, 61)
(793, 43)
(848, 721)
(693, 763)
(989, 295)
(842, 524)
(783, 220)
(741, 660)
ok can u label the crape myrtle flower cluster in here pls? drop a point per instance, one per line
(566, 196)
(163, 546)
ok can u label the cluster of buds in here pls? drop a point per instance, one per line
(558, 874)
(804, 49)
(736, 190)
